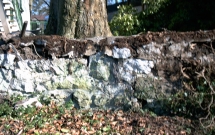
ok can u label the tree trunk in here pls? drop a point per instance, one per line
(78, 18)
(51, 28)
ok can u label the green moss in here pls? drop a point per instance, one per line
(82, 83)
(77, 69)
(65, 84)
(50, 86)
(151, 88)
(103, 71)
(83, 98)
(100, 101)
(100, 71)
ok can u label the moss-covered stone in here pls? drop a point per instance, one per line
(49, 85)
(82, 82)
(145, 88)
(121, 100)
(58, 83)
(100, 70)
(65, 85)
(76, 68)
(82, 98)
(101, 101)
(60, 66)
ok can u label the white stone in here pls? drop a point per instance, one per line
(23, 65)
(59, 66)
(28, 102)
(16, 85)
(69, 78)
(138, 65)
(151, 64)
(103, 70)
(4, 85)
(7, 60)
(81, 72)
(42, 65)
(21, 74)
(121, 53)
(57, 79)
(31, 64)
(41, 77)
(12, 92)
(125, 75)
(25, 86)
(5, 75)
(70, 54)
(176, 49)
(152, 49)
(40, 88)
(57, 70)
(115, 89)
(28, 86)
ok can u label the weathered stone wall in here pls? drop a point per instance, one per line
(108, 72)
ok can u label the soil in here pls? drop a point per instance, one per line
(61, 46)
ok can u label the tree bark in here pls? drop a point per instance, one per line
(51, 28)
(78, 18)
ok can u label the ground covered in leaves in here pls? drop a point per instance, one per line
(60, 120)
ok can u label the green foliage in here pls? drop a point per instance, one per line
(185, 105)
(179, 15)
(69, 104)
(125, 22)
(5, 109)
(129, 22)
(45, 100)
(198, 104)
(33, 117)
(152, 6)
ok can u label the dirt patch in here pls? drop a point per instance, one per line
(46, 45)
(134, 42)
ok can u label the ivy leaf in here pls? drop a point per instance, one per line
(105, 129)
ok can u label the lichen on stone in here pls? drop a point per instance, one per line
(100, 70)
(101, 100)
(82, 82)
(58, 83)
(82, 98)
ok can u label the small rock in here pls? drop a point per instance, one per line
(121, 53)
(28, 102)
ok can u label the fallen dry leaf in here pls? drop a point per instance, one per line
(91, 132)
(64, 130)
(113, 123)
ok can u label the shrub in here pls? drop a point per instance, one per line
(125, 22)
